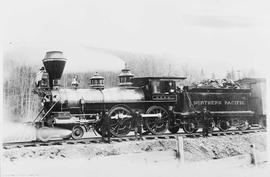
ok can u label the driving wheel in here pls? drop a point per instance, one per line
(157, 125)
(120, 121)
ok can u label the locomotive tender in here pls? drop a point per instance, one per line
(162, 104)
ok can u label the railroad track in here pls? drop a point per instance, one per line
(91, 140)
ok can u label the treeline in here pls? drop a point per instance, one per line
(153, 65)
(20, 103)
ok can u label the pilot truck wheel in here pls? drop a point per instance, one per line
(77, 132)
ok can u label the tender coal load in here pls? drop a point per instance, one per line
(213, 83)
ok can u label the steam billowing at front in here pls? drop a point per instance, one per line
(46, 94)
(27, 104)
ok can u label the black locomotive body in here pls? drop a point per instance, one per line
(161, 103)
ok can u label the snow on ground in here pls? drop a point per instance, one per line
(140, 158)
(137, 165)
(16, 132)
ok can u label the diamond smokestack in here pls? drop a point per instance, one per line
(54, 63)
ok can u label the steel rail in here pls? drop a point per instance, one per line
(95, 140)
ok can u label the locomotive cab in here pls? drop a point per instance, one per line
(158, 88)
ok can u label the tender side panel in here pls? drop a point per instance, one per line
(218, 100)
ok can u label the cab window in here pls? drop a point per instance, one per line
(166, 87)
(156, 86)
(169, 87)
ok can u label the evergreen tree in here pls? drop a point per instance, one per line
(228, 75)
(202, 74)
(233, 74)
(213, 76)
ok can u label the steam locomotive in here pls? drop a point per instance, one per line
(162, 104)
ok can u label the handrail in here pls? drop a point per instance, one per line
(190, 102)
(38, 114)
(48, 111)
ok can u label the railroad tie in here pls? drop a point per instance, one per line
(116, 139)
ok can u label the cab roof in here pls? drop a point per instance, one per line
(159, 78)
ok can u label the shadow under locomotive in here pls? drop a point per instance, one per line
(162, 105)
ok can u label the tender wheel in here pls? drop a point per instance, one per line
(223, 125)
(244, 126)
(174, 129)
(211, 126)
(157, 125)
(120, 123)
(190, 127)
(77, 132)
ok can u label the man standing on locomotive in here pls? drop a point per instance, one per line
(207, 121)
(39, 75)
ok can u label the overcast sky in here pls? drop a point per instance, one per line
(211, 34)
